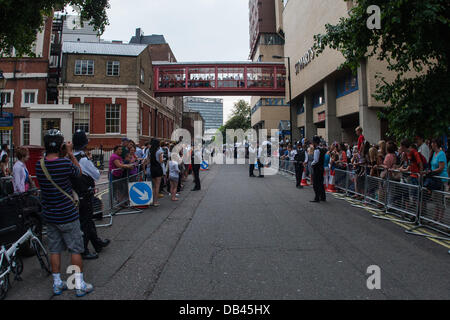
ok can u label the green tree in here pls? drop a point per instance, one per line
(240, 118)
(22, 19)
(411, 38)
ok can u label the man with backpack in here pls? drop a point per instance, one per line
(60, 209)
(299, 159)
(84, 186)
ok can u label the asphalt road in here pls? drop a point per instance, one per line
(254, 238)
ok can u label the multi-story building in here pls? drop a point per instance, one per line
(26, 84)
(211, 110)
(160, 51)
(190, 117)
(74, 30)
(266, 41)
(328, 101)
(110, 86)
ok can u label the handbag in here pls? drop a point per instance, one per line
(75, 199)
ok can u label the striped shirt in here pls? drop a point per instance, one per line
(57, 207)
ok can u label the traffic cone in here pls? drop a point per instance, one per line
(304, 183)
(326, 174)
(331, 187)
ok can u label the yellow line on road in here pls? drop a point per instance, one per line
(443, 243)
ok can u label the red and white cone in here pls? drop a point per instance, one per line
(331, 187)
(326, 177)
(304, 182)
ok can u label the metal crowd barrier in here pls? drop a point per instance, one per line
(396, 197)
(118, 189)
(434, 207)
(287, 168)
(102, 203)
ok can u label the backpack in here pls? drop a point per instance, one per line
(84, 184)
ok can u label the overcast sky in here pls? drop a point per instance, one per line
(197, 30)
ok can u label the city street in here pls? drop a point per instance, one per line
(253, 238)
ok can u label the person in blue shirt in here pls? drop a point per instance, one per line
(435, 180)
(326, 167)
(438, 162)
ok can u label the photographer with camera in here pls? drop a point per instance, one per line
(84, 186)
(60, 209)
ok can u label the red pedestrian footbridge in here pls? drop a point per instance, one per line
(219, 79)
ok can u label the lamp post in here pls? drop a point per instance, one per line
(290, 93)
(2, 86)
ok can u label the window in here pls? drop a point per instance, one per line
(142, 75)
(81, 117)
(230, 77)
(54, 61)
(172, 78)
(6, 97)
(301, 107)
(84, 67)
(25, 132)
(112, 68)
(318, 99)
(29, 97)
(150, 123)
(113, 118)
(140, 121)
(346, 85)
(202, 77)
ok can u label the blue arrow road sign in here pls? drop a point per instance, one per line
(204, 165)
(140, 193)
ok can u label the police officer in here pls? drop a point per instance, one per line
(318, 169)
(85, 189)
(261, 160)
(251, 159)
(196, 161)
(299, 159)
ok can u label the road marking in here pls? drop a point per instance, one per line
(101, 194)
(443, 243)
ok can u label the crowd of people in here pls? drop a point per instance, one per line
(406, 161)
(67, 179)
(167, 169)
(67, 167)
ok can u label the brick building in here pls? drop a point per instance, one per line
(111, 88)
(160, 51)
(26, 84)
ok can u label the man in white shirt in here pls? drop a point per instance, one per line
(196, 162)
(261, 160)
(251, 159)
(423, 148)
(318, 169)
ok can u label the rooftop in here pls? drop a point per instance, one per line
(152, 39)
(103, 48)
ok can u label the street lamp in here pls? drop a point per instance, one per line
(2, 86)
(290, 93)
